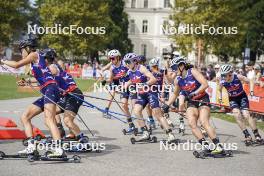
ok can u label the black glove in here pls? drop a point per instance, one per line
(165, 108)
(103, 82)
(251, 93)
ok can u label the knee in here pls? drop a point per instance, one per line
(137, 113)
(67, 121)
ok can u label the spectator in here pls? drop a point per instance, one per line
(210, 72)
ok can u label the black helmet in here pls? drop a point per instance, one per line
(49, 53)
(28, 42)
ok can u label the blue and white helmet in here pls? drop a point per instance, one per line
(113, 53)
(176, 61)
(226, 69)
(130, 57)
(154, 62)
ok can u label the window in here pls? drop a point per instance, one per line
(166, 3)
(145, 3)
(132, 27)
(133, 3)
(144, 49)
(165, 26)
(145, 26)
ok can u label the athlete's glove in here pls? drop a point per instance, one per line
(251, 93)
(103, 82)
(22, 82)
(165, 108)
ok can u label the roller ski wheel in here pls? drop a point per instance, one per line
(2, 155)
(74, 159)
(199, 154)
(150, 140)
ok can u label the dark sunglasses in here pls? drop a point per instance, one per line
(127, 62)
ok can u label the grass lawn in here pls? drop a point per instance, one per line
(230, 118)
(8, 87)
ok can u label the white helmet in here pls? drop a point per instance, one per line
(154, 62)
(113, 53)
(226, 69)
(176, 54)
(257, 67)
(217, 66)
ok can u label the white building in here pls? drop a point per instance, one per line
(146, 18)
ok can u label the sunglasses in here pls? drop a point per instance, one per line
(127, 62)
(225, 75)
(111, 58)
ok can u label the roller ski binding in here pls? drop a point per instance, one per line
(144, 138)
(49, 156)
(205, 154)
(182, 127)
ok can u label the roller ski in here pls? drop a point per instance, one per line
(250, 142)
(145, 138)
(54, 156)
(14, 156)
(218, 152)
(131, 130)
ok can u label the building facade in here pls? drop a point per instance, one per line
(146, 19)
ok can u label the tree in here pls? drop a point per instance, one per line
(120, 38)
(85, 13)
(13, 19)
(214, 13)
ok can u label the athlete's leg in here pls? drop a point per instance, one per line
(31, 111)
(192, 115)
(204, 115)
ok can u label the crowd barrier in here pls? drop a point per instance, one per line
(256, 102)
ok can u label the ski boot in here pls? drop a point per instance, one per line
(218, 152)
(167, 116)
(106, 114)
(145, 137)
(151, 123)
(171, 138)
(248, 141)
(31, 147)
(181, 127)
(258, 141)
(56, 155)
(131, 130)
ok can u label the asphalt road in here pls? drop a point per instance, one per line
(122, 158)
